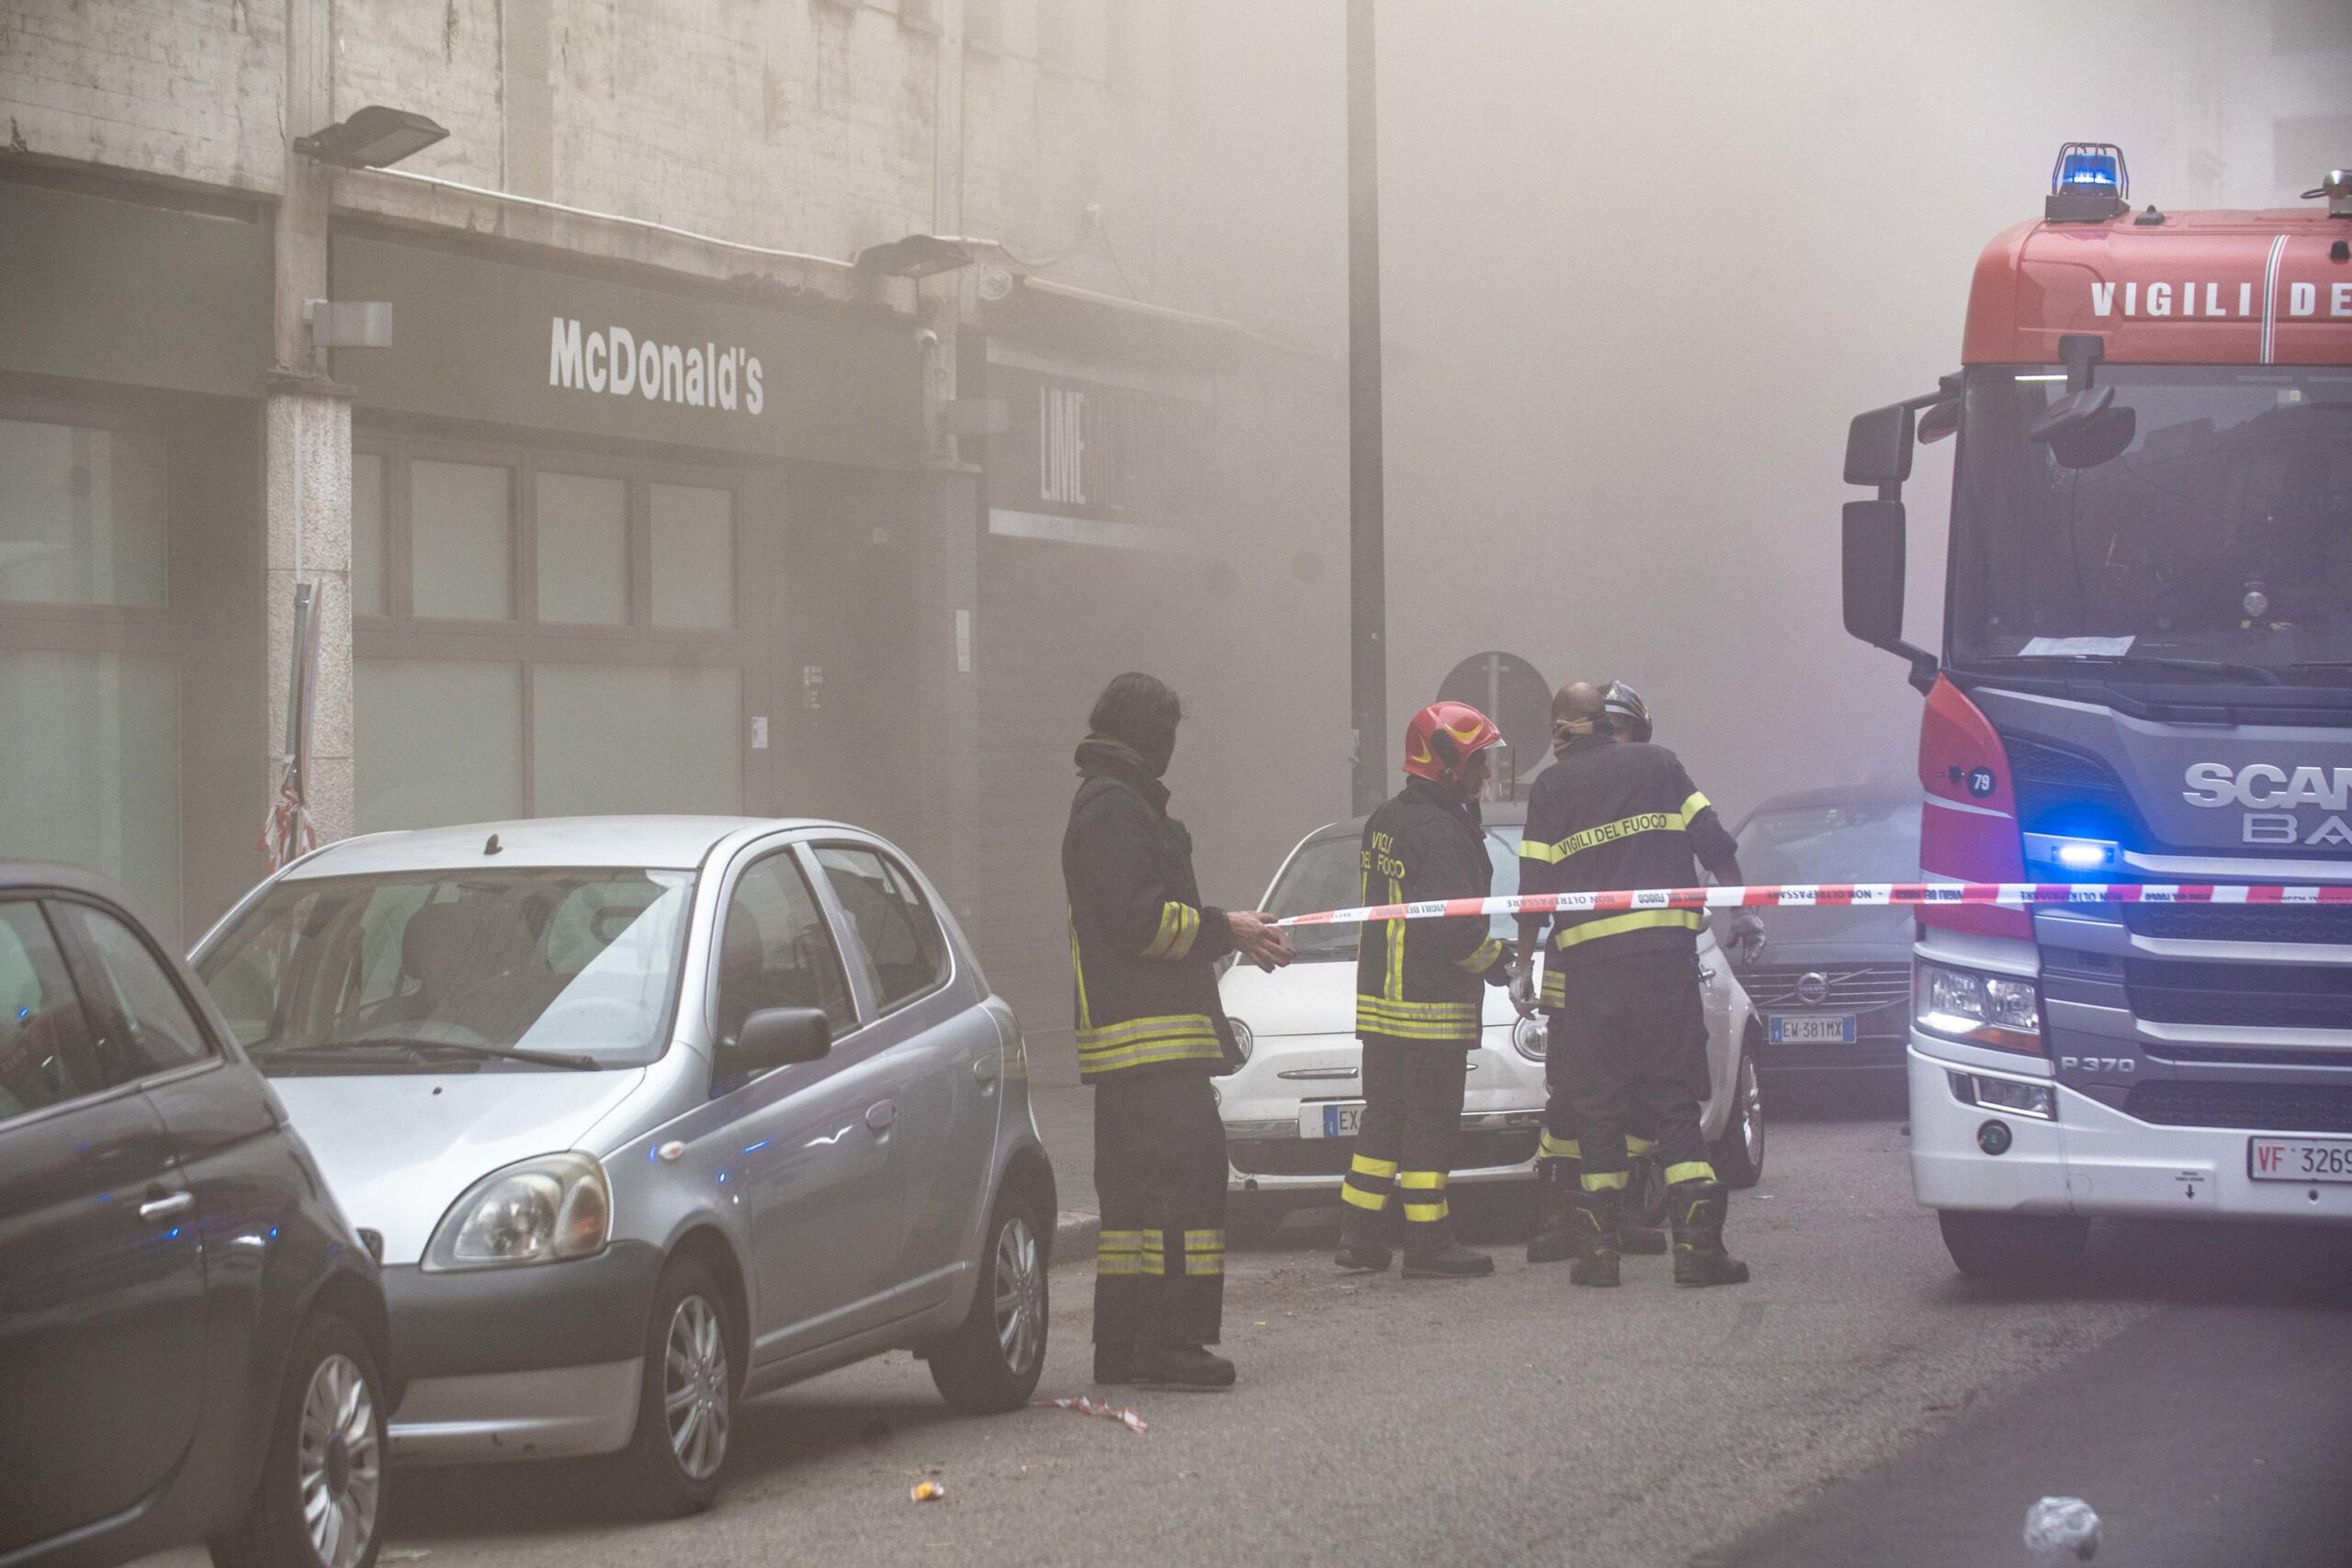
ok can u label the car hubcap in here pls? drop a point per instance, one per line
(1751, 1111)
(341, 1463)
(1020, 1295)
(695, 1388)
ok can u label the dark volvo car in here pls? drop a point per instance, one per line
(1832, 987)
(192, 1338)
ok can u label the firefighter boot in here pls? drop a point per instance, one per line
(1596, 1237)
(1363, 1244)
(1431, 1253)
(1192, 1367)
(1114, 1361)
(1697, 1209)
(1555, 1220)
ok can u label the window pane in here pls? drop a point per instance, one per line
(461, 541)
(438, 742)
(694, 556)
(584, 549)
(44, 1045)
(897, 936)
(775, 950)
(367, 534)
(609, 737)
(81, 515)
(89, 768)
(143, 1026)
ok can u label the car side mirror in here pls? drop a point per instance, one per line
(1878, 445)
(776, 1037)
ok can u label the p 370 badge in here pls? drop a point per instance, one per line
(2111, 1067)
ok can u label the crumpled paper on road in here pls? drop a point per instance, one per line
(1126, 1416)
(2061, 1530)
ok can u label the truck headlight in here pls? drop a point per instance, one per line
(1984, 1009)
(535, 1211)
(1529, 1039)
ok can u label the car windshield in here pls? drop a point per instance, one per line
(2205, 517)
(1328, 874)
(1852, 841)
(514, 970)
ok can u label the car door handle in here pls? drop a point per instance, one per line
(985, 1068)
(880, 1114)
(1705, 976)
(165, 1207)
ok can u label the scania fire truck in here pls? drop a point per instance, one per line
(2145, 676)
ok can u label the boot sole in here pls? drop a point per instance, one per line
(1413, 1273)
(1184, 1385)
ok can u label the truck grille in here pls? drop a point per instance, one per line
(2273, 1108)
(2242, 922)
(2247, 996)
(1330, 1157)
(1863, 988)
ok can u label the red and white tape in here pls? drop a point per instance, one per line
(1840, 896)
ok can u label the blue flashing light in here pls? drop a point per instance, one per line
(2070, 852)
(2079, 857)
(2081, 169)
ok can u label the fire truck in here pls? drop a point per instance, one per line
(2145, 675)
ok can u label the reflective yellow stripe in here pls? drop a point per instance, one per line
(1205, 1241)
(1555, 987)
(1365, 1164)
(1394, 990)
(1635, 1146)
(1203, 1252)
(1614, 925)
(1138, 1042)
(1551, 1147)
(1375, 1201)
(1118, 1252)
(1155, 1252)
(1199, 1264)
(1692, 807)
(1605, 1181)
(1183, 947)
(1417, 1020)
(1610, 832)
(1178, 924)
(1689, 1170)
(1078, 970)
(1422, 1182)
(1479, 962)
(1426, 1213)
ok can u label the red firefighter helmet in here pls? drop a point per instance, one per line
(1442, 738)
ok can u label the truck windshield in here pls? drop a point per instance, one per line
(2215, 546)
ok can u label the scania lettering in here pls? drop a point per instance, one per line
(2144, 675)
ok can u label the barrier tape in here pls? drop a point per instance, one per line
(1838, 896)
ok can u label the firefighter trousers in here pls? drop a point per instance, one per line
(1160, 1171)
(1412, 1107)
(1636, 1034)
(1563, 1131)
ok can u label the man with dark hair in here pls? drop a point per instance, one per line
(1628, 1027)
(1150, 1035)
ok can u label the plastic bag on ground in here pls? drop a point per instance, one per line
(2062, 1530)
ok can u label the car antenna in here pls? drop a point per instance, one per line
(492, 847)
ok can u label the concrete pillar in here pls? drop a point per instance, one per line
(307, 451)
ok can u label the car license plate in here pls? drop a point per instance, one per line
(1330, 1119)
(2298, 1159)
(1810, 1028)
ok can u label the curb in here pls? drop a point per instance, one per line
(1074, 1233)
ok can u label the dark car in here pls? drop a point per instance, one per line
(1832, 987)
(192, 1336)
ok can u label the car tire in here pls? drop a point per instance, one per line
(685, 1403)
(329, 1443)
(992, 1360)
(2022, 1248)
(1252, 1218)
(1738, 1155)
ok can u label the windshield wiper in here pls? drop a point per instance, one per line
(415, 1043)
(2255, 673)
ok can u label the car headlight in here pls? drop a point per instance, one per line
(1984, 1009)
(1529, 1038)
(1244, 1040)
(535, 1211)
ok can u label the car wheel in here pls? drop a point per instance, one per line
(685, 1403)
(2025, 1249)
(1738, 1155)
(992, 1361)
(321, 1500)
(1252, 1218)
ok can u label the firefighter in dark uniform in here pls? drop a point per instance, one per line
(1625, 986)
(1419, 986)
(1150, 1035)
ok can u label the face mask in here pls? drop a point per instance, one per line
(1158, 751)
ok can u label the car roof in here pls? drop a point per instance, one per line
(30, 875)
(1491, 814)
(669, 843)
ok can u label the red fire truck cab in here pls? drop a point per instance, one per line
(2145, 674)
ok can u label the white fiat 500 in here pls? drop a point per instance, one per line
(1291, 1109)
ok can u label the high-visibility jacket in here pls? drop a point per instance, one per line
(1422, 980)
(1142, 945)
(1615, 815)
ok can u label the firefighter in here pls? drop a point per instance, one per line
(1418, 990)
(1150, 1035)
(1625, 986)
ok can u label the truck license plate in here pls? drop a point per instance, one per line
(1810, 1028)
(1330, 1119)
(2298, 1159)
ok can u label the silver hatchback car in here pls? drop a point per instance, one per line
(649, 1115)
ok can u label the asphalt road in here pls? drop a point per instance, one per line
(1858, 1403)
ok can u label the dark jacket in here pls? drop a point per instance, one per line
(1141, 943)
(1421, 980)
(1616, 815)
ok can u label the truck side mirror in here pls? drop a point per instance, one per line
(1874, 568)
(1878, 445)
